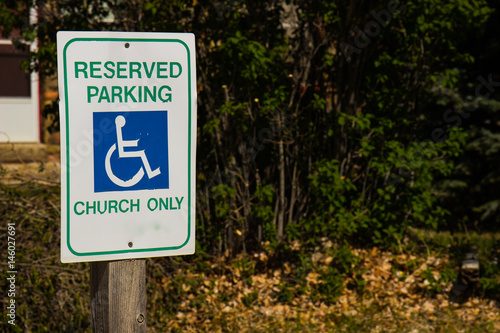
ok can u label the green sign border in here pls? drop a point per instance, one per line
(142, 40)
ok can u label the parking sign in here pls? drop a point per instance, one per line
(128, 135)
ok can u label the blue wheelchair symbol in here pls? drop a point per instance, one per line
(133, 143)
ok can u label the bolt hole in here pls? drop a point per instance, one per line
(127, 45)
(130, 244)
(140, 318)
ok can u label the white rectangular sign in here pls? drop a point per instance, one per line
(128, 139)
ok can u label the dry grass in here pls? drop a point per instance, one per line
(397, 292)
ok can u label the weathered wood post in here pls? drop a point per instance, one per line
(118, 296)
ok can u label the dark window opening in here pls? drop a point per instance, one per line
(14, 80)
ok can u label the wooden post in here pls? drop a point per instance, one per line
(118, 296)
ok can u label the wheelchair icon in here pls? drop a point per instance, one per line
(120, 145)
